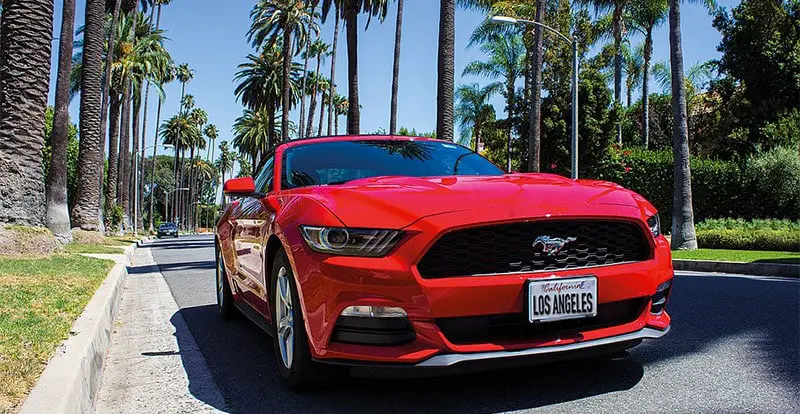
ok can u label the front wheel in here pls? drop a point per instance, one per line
(290, 339)
(227, 309)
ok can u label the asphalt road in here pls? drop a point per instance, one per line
(734, 347)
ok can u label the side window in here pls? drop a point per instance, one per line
(264, 180)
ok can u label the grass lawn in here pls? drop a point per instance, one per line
(94, 248)
(747, 256)
(39, 301)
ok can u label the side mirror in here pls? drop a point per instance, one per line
(239, 187)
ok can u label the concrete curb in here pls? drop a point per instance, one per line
(756, 269)
(72, 376)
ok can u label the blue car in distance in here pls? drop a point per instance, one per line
(167, 230)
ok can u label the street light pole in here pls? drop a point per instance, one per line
(574, 42)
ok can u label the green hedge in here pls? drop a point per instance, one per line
(765, 186)
(777, 240)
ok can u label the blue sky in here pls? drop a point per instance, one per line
(210, 36)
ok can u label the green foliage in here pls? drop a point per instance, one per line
(114, 217)
(72, 153)
(405, 132)
(660, 123)
(765, 186)
(779, 240)
(749, 225)
(784, 132)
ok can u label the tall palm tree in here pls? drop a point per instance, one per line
(332, 94)
(113, 6)
(56, 186)
(506, 62)
(225, 161)
(348, 10)
(86, 212)
(473, 111)
(315, 80)
(212, 133)
(324, 86)
(446, 70)
(318, 50)
(183, 74)
(340, 106)
(166, 77)
(25, 34)
(619, 15)
(647, 15)
(398, 33)
(683, 232)
(287, 21)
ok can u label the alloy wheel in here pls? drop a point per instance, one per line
(285, 318)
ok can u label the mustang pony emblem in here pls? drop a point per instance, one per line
(552, 245)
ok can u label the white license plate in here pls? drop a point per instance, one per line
(558, 299)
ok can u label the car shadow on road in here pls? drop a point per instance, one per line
(242, 362)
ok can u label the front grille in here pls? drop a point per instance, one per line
(509, 248)
(515, 326)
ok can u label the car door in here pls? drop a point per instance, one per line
(253, 225)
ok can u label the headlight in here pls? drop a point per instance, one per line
(654, 222)
(350, 242)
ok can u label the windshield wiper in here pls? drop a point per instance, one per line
(338, 182)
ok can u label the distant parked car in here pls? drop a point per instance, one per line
(167, 230)
(413, 253)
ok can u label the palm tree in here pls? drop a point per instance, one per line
(57, 210)
(166, 77)
(348, 10)
(332, 94)
(86, 212)
(446, 70)
(324, 86)
(634, 68)
(251, 133)
(398, 32)
(225, 161)
(110, 38)
(184, 74)
(315, 81)
(290, 21)
(318, 50)
(507, 62)
(341, 106)
(683, 232)
(212, 133)
(25, 34)
(620, 12)
(647, 15)
(473, 111)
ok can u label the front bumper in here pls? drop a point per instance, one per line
(329, 284)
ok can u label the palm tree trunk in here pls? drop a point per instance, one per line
(309, 129)
(287, 66)
(303, 89)
(446, 70)
(112, 176)
(648, 53)
(683, 233)
(134, 189)
(191, 194)
(331, 109)
(176, 164)
(106, 86)
(617, 28)
(86, 212)
(57, 209)
(535, 115)
(153, 167)
(353, 110)
(321, 113)
(510, 103)
(27, 28)
(396, 68)
(123, 182)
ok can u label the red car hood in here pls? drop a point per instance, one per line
(396, 202)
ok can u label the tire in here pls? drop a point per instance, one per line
(227, 309)
(300, 372)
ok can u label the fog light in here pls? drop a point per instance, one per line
(659, 300)
(374, 312)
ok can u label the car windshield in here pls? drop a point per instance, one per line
(337, 162)
(166, 226)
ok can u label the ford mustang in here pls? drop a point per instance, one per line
(412, 254)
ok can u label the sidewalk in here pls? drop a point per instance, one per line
(151, 352)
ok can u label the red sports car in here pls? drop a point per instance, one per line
(415, 254)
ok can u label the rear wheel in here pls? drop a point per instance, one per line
(227, 309)
(290, 339)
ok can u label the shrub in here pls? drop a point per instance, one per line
(755, 224)
(743, 239)
(766, 186)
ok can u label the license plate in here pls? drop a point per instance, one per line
(558, 299)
